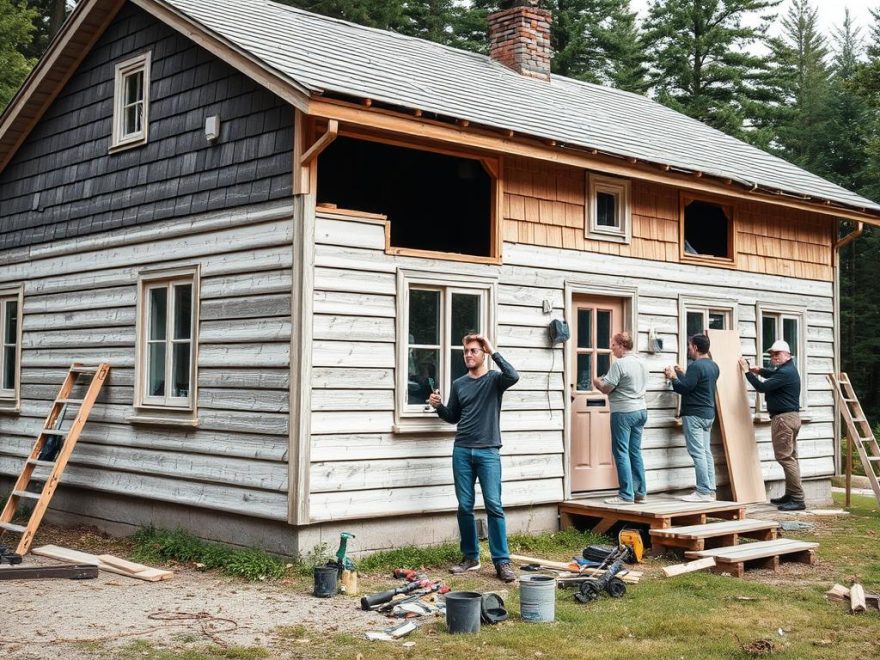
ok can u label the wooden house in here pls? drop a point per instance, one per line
(276, 227)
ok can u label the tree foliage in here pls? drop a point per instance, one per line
(16, 26)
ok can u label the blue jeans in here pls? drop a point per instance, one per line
(484, 464)
(698, 435)
(626, 445)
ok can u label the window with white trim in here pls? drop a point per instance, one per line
(790, 326)
(697, 316)
(166, 340)
(434, 315)
(608, 208)
(131, 102)
(10, 355)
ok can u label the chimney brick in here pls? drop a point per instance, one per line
(519, 38)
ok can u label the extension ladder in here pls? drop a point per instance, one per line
(52, 450)
(857, 428)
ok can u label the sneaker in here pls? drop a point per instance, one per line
(698, 497)
(792, 505)
(781, 500)
(505, 572)
(617, 500)
(641, 498)
(465, 565)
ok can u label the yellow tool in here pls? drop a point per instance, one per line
(633, 539)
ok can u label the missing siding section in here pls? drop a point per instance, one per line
(434, 202)
(707, 229)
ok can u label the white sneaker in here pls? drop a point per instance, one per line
(617, 500)
(697, 497)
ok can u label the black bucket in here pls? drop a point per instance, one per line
(325, 581)
(463, 611)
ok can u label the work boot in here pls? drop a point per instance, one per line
(505, 571)
(792, 505)
(466, 564)
(781, 500)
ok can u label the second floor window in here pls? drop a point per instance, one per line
(131, 93)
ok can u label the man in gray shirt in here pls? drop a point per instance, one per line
(625, 386)
(475, 405)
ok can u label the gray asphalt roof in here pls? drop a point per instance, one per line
(326, 55)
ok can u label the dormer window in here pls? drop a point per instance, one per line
(131, 99)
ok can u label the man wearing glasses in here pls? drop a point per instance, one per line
(475, 405)
(782, 388)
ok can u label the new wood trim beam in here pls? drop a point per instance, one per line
(277, 83)
(320, 144)
(496, 142)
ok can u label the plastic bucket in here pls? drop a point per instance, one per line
(537, 598)
(325, 581)
(463, 611)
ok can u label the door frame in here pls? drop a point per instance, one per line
(629, 295)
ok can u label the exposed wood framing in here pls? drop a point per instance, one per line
(320, 144)
(494, 141)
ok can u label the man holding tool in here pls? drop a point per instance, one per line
(782, 388)
(475, 405)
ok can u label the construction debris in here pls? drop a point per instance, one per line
(71, 572)
(572, 570)
(107, 563)
(689, 567)
(857, 599)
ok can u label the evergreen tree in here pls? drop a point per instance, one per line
(16, 27)
(383, 14)
(48, 18)
(626, 61)
(701, 59)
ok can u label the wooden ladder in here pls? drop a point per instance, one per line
(46, 455)
(858, 431)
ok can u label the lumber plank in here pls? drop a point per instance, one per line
(758, 550)
(709, 530)
(69, 571)
(857, 598)
(75, 556)
(630, 576)
(689, 567)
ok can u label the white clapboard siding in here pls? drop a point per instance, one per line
(352, 354)
(341, 279)
(338, 476)
(272, 329)
(354, 400)
(252, 400)
(361, 421)
(87, 318)
(369, 446)
(63, 338)
(523, 336)
(348, 233)
(245, 307)
(90, 299)
(244, 355)
(246, 284)
(344, 302)
(183, 492)
(530, 296)
(515, 399)
(353, 328)
(245, 378)
(353, 379)
(408, 501)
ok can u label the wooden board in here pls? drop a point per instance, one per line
(114, 565)
(689, 567)
(735, 416)
(68, 571)
(715, 529)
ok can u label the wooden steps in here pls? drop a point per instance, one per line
(656, 512)
(762, 554)
(711, 535)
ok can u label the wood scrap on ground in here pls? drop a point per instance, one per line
(857, 598)
(107, 563)
(68, 571)
(689, 567)
(837, 592)
(631, 577)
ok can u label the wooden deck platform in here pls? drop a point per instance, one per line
(763, 554)
(656, 513)
(711, 535)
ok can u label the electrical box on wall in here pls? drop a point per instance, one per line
(655, 343)
(559, 332)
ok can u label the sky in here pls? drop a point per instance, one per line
(830, 12)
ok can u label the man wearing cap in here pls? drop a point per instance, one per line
(781, 387)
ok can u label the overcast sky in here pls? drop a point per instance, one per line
(830, 12)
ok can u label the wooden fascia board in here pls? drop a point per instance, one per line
(28, 92)
(286, 88)
(485, 140)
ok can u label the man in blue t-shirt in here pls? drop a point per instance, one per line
(697, 389)
(475, 405)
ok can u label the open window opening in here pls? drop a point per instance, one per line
(434, 202)
(707, 229)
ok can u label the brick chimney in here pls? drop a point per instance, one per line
(519, 38)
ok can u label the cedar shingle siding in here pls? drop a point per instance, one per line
(63, 183)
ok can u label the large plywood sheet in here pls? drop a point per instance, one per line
(735, 416)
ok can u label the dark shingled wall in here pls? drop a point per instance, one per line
(62, 182)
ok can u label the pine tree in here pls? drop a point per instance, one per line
(701, 59)
(383, 14)
(16, 27)
(48, 18)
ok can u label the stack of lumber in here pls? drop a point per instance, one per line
(107, 563)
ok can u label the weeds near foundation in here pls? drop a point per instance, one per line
(153, 545)
(409, 557)
(553, 543)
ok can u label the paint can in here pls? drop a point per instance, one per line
(463, 611)
(537, 598)
(325, 580)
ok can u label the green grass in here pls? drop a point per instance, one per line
(145, 650)
(156, 545)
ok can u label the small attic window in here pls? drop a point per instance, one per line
(608, 208)
(434, 202)
(131, 102)
(707, 229)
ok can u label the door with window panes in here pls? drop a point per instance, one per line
(595, 321)
(438, 319)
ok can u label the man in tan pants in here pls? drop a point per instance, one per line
(781, 386)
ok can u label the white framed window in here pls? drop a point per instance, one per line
(131, 102)
(434, 313)
(788, 324)
(696, 315)
(167, 330)
(609, 213)
(10, 353)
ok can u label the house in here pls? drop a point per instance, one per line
(276, 227)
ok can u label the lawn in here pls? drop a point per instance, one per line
(700, 615)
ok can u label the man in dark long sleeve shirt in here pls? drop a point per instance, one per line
(475, 405)
(782, 389)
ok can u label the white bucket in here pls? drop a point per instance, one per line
(537, 598)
